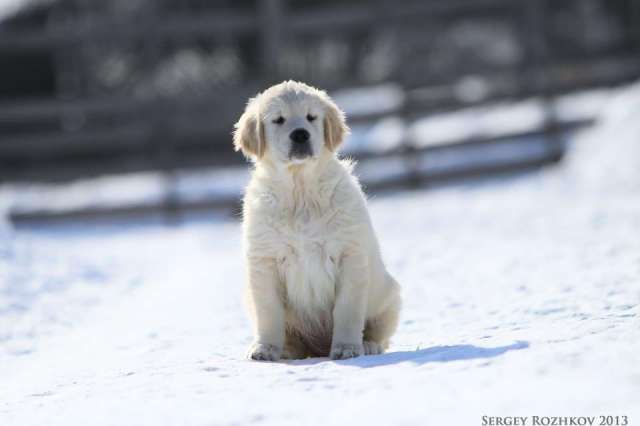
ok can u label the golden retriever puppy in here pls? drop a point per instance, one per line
(316, 283)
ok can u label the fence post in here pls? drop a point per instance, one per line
(635, 22)
(386, 19)
(538, 49)
(271, 13)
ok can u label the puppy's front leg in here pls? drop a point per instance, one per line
(266, 305)
(350, 308)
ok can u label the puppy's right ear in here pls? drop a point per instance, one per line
(248, 135)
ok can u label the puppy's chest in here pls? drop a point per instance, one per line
(307, 252)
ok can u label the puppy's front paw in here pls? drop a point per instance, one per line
(264, 352)
(345, 350)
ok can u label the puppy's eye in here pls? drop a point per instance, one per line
(311, 117)
(279, 120)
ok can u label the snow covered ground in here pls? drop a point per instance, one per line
(521, 297)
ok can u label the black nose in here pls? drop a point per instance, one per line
(299, 136)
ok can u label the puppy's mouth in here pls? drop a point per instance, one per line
(300, 151)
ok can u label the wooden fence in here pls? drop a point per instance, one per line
(425, 47)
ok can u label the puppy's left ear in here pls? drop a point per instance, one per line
(335, 126)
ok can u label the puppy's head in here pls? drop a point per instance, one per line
(291, 123)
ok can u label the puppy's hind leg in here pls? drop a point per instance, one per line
(379, 329)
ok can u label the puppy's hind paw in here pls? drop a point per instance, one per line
(372, 348)
(345, 350)
(264, 352)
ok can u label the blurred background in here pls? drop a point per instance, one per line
(122, 108)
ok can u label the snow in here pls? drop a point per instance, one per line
(8, 8)
(146, 188)
(521, 297)
(369, 100)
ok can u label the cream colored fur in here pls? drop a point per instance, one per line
(316, 283)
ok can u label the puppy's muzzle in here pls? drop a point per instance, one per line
(300, 144)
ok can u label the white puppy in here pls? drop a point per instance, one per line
(316, 282)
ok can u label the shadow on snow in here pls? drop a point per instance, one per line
(424, 356)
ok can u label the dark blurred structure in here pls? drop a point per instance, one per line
(90, 87)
